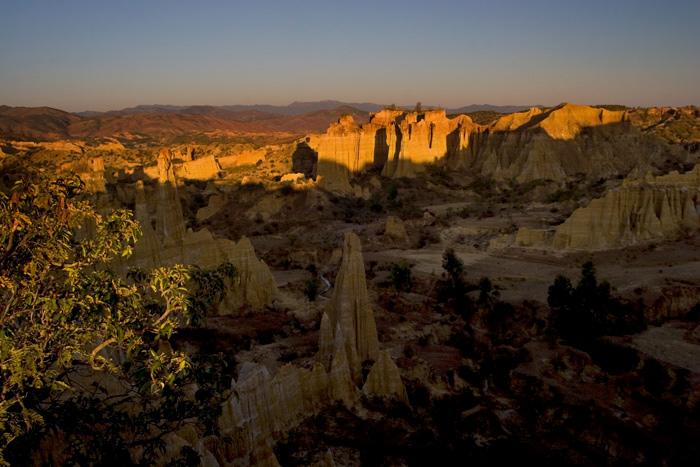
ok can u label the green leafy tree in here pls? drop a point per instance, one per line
(85, 354)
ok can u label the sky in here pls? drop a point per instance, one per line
(99, 55)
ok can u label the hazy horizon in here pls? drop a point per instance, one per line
(79, 55)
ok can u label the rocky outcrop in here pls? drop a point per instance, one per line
(338, 157)
(350, 311)
(169, 244)
(254, 284)
(530, 237)
(170, 224)
(395, 230)
(426, 138)
(204, 168)
(216, 202)
(91, 172)
(400, 142)
(261, 406)
(559, 142)
(638, 211)
(553, 144)
(384, 379)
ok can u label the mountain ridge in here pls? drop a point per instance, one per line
(296, 108)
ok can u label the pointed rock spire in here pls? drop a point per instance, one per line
(349, 308)
(384, 379)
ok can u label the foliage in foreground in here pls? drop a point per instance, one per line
(85, 363)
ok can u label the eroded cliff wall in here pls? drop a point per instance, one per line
(564, 141)
(638, 211)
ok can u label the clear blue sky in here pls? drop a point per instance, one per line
(99, 55)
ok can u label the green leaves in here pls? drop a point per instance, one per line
(64, 315)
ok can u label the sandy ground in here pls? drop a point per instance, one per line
(666, 343)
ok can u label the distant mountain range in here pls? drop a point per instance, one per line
(293, 109)
(166, 124)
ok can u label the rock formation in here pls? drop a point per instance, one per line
(349, 309)
(641, 210)
(427, 138)
(216, 202)
(169, 245)
(170, 224)
(254, 284)
(400, 142)
(261, 406)
(553, 144)
(384, 379)
(204, 168)
(91, 172)
(638, 211)
(559, 142)
(355, 338)
(395, 229)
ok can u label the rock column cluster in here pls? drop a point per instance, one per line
(262, 406)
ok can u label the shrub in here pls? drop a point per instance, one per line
(311, 287)
(287, 188)
(401, 277)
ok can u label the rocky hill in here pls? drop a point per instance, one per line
(155, 126)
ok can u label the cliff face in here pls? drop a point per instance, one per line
(564, 141)
(204, 168)
(552, 144)
(262, 405)
(640, 210)
(399, 142)
(170, 224)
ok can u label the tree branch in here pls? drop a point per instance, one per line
(111, 340)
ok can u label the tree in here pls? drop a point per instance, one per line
(311, 287)
(488, 294)
(418, 107)
(401, 277)
(453, 288)
(64, 314)
(580, 312)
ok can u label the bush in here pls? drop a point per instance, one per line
(311, 287)
(453, 288)
(401, 277)
(287, 188)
